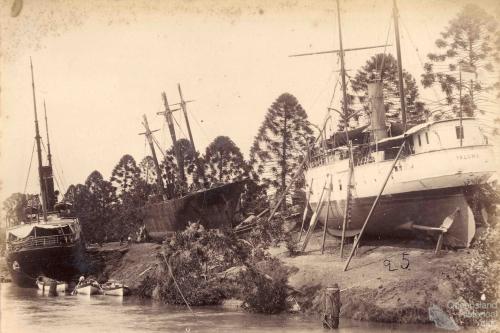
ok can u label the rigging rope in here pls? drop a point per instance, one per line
(385, 47)
(29, 168)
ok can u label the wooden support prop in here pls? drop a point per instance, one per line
(306, 209)
(331, 312)
(330, 187)
(356, 243)
(314, 218)
(347, 200)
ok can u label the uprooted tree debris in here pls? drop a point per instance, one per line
(204, 267)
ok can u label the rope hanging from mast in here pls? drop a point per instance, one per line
(29, 168)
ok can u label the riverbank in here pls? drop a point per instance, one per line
(388, 281)
(394, 281)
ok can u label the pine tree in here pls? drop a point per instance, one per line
(125, 174)
(193, 169)
(224, 161)
(415, 110)
(469, 43)
(148, 170)
(281, 142)
(100, 204)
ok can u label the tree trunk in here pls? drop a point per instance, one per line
(284, 165)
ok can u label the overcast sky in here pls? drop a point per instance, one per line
(101, 65)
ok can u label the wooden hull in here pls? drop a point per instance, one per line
(44, 286)
(428, 208)
(213, 208)
(121, 291)
(88, 290)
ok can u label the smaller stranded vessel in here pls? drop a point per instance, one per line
(48, 242)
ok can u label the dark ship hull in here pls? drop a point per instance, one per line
(212, 208)
(59, 262)
(394, 212)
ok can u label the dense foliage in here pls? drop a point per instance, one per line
(280, 144)
(469, 44)
(385, 66)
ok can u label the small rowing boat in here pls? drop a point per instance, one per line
(46, 285)
(89, 287)
(114, 288)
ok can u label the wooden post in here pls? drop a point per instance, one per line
(356, 243)
(330, 187)
(347, 200)
(331, 314)
(306, 209)
(314, 218)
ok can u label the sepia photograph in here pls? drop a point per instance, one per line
(249, 166)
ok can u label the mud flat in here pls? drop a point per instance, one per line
(397, 282)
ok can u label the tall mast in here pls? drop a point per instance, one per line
(184, 110)
(400, 66)
(149, 136)
(49, 155)
(342, 69)
(39, 149)
(170, 122)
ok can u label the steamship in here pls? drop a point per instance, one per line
(431, 170)
(48, 240)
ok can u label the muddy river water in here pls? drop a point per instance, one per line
(26, 310)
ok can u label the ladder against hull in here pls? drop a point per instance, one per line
(427, 208)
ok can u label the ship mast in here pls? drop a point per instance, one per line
(184, 110)
(342, 71)
(169, 118)
(400, 66)
(39, 149)
(149, 136)
(49, 155)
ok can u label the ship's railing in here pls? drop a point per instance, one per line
(41, 242)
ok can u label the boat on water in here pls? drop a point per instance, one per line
(417, 178)
(88, 288)
(48, 239)
(46, 285)
(213, 207)
(114, 288)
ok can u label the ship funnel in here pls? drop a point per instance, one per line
(377, 110)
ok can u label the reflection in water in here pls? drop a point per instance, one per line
(27, 310)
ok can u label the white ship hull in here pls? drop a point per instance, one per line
(424, 187)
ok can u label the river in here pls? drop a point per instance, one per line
(26, 310)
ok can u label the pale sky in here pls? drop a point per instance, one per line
(101, 65)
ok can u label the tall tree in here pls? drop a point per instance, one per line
(193, 169)
(14, 206)
(468, 43)
(125, 174)
(148, 170)
(385, 66)
(281, 142)
(99, 203)
(224, 161)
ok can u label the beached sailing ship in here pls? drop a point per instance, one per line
(418, 178)
(211, 207)
(48, 240)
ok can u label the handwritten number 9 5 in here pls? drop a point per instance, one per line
(405, 263)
